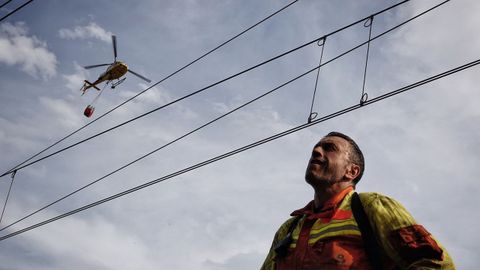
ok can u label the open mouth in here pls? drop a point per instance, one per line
(318, 162)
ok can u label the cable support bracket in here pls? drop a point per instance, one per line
(321, 43)
(12, 175)
(368, 23)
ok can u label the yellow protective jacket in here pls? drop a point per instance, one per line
(405, 243)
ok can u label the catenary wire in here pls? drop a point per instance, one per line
(161, 147)
(23, 165)
(364, 95)
(17, 167)
(8, 195)
(15, 10)
(313, 115)
(6, 2)
(249, 146)
(183, 136)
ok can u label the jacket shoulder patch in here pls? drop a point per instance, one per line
(414, 243)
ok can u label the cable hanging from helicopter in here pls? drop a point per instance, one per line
(91, 108)
(115, 71)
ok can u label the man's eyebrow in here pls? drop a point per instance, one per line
(327, 143)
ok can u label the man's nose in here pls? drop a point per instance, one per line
(317, 152)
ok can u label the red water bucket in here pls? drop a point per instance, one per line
(89, 111)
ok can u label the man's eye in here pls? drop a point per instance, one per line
(329, 147)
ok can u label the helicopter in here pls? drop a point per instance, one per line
(113, 75)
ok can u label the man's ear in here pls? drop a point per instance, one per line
(353, 170)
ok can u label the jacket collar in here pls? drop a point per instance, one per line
(328, 208)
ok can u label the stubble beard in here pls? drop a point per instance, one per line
(314, 179)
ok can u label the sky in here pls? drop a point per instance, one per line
(421, 147)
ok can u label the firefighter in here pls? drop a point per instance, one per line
(340, 229)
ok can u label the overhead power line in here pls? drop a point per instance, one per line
(17, 167)
(159, 148)
(8, 195)
(247, 147)
(218, 118)
(208, 123)
(15, 10)
(23, 165)
(6, 2)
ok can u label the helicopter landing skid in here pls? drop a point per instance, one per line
(115, 84)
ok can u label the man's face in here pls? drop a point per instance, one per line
(329, 161)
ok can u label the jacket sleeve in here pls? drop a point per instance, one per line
(405, 241)
(269, 263)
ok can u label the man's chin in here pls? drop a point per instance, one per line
(316, 181)
(309, 177)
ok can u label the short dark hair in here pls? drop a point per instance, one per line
(355, 154)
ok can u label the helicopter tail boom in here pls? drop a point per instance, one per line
(87, 85)
(91, 85)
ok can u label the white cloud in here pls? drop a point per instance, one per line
(16, 137)
(155, 95)
(66, 117)
(75, 80)
(32, 54)
(90, 31)
(238, 261)
(114, 250)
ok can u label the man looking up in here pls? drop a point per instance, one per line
(340, 229)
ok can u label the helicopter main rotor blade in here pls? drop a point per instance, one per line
(94, 66)
(138, 75)
(114, 42)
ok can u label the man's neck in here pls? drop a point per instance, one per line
(325, 193)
